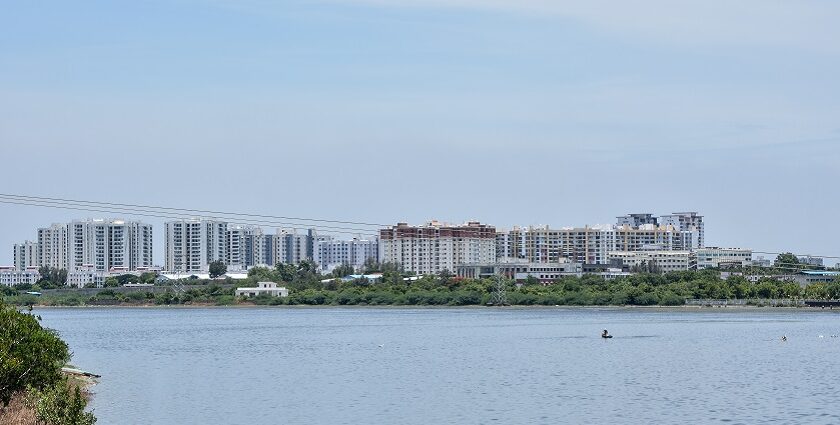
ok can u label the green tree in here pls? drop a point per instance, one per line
(343, 270)
(62, 404)
(30, 356)
(286, 272)
(787, 261)
(217, 268)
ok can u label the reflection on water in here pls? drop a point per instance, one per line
(424, 366)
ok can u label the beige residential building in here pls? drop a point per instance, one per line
(435, 246)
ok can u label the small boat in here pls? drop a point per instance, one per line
(606, 336)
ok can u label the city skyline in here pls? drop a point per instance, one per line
(241, 244)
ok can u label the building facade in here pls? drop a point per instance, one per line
(291, 247)
(520, 270)
(713, 257)
(662, 261)
(25, 255)
(591, 244)
(10, 276)
(435, 247)
(329, 253)
(52, 246)
(104, 245)
(192, 244)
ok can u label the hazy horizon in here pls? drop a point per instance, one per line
(508, 112)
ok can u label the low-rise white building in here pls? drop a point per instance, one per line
(714, 257)
(519, 270)
(263, 288)
(665, 261)
(86, 277)
(10, 276)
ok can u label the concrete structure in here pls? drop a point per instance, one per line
(52, 246)
(811, 261)
(714, 257)
(86, 277)
(760, 261)
(664, 261)
(636, 220)
(520, 270)
(291, 247)
(330, 253)
(192, 244)
(25, 255)
(259, 249)
(691, 222)
(263, 288)
(435, 247)
(589, 245)
(104, 245)
(807, 277)
(11, 276)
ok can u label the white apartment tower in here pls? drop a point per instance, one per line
(52, 246)
(691, 222)
(291, 247)
(435, 247)
(26, 255)
(106, 245)
(192, 244)
(329, 253)
(248, 246)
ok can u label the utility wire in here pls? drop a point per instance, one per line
(90, 209)
(129, 211)
(199, 212)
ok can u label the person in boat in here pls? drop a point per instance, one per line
(605, 334)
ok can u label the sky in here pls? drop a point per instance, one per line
(511, 112)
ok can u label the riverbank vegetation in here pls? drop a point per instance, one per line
(33, 389)
(307, 287)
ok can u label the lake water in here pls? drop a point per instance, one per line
(455, 366)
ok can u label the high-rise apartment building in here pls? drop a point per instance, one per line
(25, 255)
(291, 247)
(435, 247)
(192, 244)
(248, 246)
(329, 252)
(687, 222)
(108, 245)
(591, 245)
(52, 246)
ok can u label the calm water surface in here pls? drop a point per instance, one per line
(455, 366)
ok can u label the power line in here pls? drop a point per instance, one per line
(138, 211)
(199, 212)
(175, 217)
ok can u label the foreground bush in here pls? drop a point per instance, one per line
(31, 359)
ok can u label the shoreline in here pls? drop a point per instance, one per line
(441, 307)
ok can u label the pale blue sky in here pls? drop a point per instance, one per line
(509, 112)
